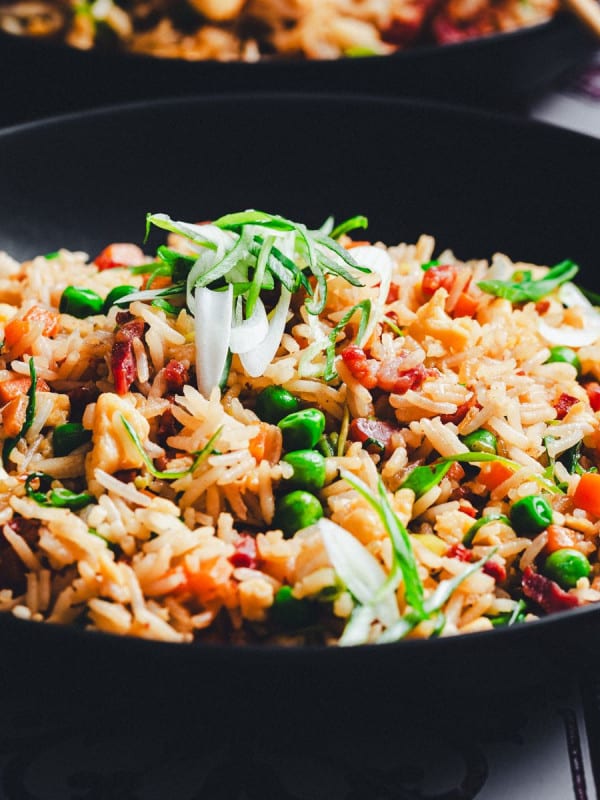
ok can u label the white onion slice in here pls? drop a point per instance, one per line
(501, 269)
(358, 569)
(249, 333)
(568, 336)
(572, 297)
(377, 260)
(256, 361)
(212, 311)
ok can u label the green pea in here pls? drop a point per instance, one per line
(302, 429)
(531, 515)
(309, 470)
(564, 355)
(481, 441)
(68, 437)
(116, 294)
(295, 511)
(274, 403)
(290, 612)
(80, 302)
(566, 567)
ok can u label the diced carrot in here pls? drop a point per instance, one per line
(493, 473)
(211, 582)
(359, 243)
(13, 415)
(587, 493)
(257, 445)
(465, 306)
(45, 318)
(14, 387)
(119, 255)
(560, 537)
(159, 282)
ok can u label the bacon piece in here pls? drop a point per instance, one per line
(389, 376)
(446, 31)
(460, 552)
(546, 593)
(466, 506)
(459, 414)
(176, 375)
(167, 426)
(563, 404)
(122, 358)
(80, 398)
(495, 570)
(363, 429)
(245, 554)
(362, 368)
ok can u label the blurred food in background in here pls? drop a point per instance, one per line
(250, 30)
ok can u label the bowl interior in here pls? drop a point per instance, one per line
(480, 184)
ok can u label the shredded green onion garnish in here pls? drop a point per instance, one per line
(55, 498)
(9, 444)
(528, 290)
(201, 456)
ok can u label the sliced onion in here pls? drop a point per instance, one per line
(256, 361)
(568, 336)
(358, 569)
(572, 297)
(212, 311)
(249, 333)
(378, 261)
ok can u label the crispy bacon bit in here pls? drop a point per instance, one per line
(438, 277)
(167, 426)
(546, 593)
(495, 570)
(386, 375)
(459, 414)
(362, 368)
(593, 392)
(119, 255)
(12, 569)
(176, 375)
(126, 475)
(456, 472)
(460, 552)
(563, 404)
(123, 366)
(122, 359)
(373, 432)
(245, 554)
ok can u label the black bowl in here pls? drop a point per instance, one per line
(478, 182)
(501, 70)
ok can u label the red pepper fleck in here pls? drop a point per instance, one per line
(460, 552)
(546, 593)
(245, 554)
(563, 404)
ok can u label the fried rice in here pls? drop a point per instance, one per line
(157, 477)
